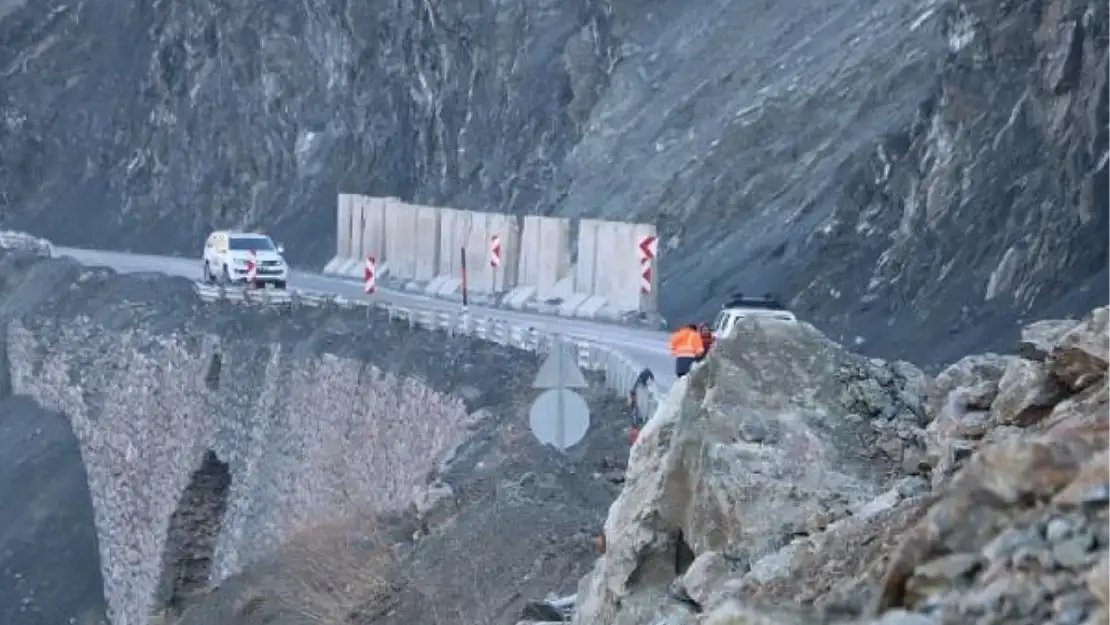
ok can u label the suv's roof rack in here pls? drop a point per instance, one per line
(766, 302)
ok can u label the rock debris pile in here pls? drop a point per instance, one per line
(788, 471)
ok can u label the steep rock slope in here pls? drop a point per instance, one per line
(1013, 527)
(211, 434)
(951, 156)
(781, 433)
(49, 562)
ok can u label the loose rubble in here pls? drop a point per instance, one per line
(788, 481)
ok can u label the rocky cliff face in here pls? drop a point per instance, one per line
(952, 163)
(210, 435)
(985, 499)
(49, 561)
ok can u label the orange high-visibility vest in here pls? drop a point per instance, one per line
(686, 343)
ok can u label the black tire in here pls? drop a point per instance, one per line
(208, 278)
(225, 277)
(280, 285)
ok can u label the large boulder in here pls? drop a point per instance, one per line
(780, 433)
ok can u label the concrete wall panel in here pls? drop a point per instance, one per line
(544, 259)
(400, 249)
(453, 226)
(585, 270)
(358, 203)
(425, 242)
(616, 268)
(373, 227)
(504, 226)
(479, 276)
(607, 269)
(343, 226)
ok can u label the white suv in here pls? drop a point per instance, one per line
(227, 256)
(738, 307)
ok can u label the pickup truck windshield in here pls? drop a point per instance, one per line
(242, 244)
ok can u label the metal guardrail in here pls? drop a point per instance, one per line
(620, 372)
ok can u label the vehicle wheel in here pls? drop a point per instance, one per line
(225, 278)
(280, 284)
(207, 278)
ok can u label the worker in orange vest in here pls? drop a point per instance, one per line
(686, 347)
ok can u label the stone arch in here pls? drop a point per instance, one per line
(191, 537)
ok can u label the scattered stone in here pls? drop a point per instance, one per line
(1039, 338)
(1025, 393)
(1075, 552)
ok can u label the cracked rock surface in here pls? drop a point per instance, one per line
(1003, 519)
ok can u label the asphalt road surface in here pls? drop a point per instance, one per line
(646, 347)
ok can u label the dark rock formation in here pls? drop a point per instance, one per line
(951, 157)
(49, 565)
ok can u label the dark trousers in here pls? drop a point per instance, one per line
(682, 365)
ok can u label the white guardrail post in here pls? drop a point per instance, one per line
(620, 371)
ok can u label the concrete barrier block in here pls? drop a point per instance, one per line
(448, 285)
(591, 307)
(333, 265)
(400, 238)
(343, 226)
(518, 297)
(563, 289)
(585, 269)
(425, 242)
(570, 306)
(505, 226)
(373, 228)
(432, 288)
(350, 268)
(453, 227)
(617, 269)
(544, 260)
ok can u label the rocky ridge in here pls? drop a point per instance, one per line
(806, 484)
(952, 155)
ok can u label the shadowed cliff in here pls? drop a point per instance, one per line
(950, 156)
(210, 434)
(49, 565)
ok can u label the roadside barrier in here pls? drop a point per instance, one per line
(620, 372)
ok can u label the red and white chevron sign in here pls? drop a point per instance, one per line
(369, 282)
(252, 268)
(495, 251)
(647, 247)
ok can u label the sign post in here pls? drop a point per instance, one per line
(462, 257)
